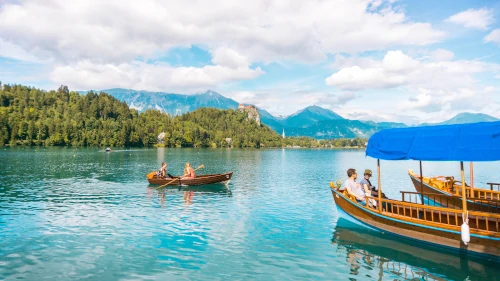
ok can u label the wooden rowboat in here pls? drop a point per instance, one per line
(198, 180)
(445, 192)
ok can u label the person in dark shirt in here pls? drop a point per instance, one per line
(366, 184)
(162, 171)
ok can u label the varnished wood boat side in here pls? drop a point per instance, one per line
(455, 201)
(482, 242)
(199, 180)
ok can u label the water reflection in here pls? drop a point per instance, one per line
(188, 192)
(381, 256)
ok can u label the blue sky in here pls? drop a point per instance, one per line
(405, 61)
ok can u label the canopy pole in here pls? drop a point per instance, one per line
(379, 187)
(421, 184)
(464, 197)
(471, 180)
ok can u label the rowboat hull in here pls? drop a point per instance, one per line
(452, 200)
(424, 232)
(199, 180)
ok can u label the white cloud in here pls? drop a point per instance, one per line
(114, 32)
(272, 99)
(471, 18)
(442, 55)
(397, 69)
(493, 37)
(363, 115)
(354, 78)
(230, 58)
(396, 61)
(9, 50)
(442, 83)
(450, 102)
(157, 77)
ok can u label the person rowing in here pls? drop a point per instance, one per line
(189, 172)
(162, 172)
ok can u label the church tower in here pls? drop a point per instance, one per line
(283, 133)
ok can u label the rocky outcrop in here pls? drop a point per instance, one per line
(252, 112)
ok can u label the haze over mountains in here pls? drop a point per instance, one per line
(312, 121)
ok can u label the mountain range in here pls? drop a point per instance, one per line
(312, 121)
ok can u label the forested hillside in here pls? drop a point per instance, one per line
(30, 116)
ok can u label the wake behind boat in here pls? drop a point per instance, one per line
(198, 180)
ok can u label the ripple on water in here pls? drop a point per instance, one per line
(88, 215)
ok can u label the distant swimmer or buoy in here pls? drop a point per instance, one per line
(108, 149)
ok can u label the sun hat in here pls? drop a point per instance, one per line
(368, 172)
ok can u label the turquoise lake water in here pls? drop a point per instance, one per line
(84, 214)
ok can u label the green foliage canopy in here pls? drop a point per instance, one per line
(29, 116)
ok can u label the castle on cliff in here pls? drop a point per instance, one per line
(252, 111)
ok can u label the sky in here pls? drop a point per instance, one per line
(380, 60)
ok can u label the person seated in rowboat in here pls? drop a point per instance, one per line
(354, 188)
(188, 172)
(162, 172)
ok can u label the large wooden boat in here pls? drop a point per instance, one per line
(467, 231)
(445, 192)
(198, 180)
(424, 223)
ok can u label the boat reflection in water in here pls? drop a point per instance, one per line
(188, 192)
(375, 256)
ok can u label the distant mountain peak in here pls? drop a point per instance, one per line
(211, 93)
(467, 117)
(309, 115)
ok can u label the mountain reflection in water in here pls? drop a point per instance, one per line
(381, 256)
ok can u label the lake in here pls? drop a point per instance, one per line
(84, 214)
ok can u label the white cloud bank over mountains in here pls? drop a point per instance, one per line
(398, 69)
(113, 32)
(228, 66)
(434, 84)
(91, 44)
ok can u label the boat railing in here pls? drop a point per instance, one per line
(478, 193)
(444, 200)
(483, 193)
(440, 216)
(492, 184)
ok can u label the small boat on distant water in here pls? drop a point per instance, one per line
(198, 180)
(108, 149)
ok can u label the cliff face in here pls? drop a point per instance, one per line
(252, 112)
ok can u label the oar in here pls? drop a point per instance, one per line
(199, 167)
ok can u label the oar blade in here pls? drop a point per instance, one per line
(151, 175)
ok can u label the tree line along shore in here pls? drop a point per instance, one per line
(34, 117)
